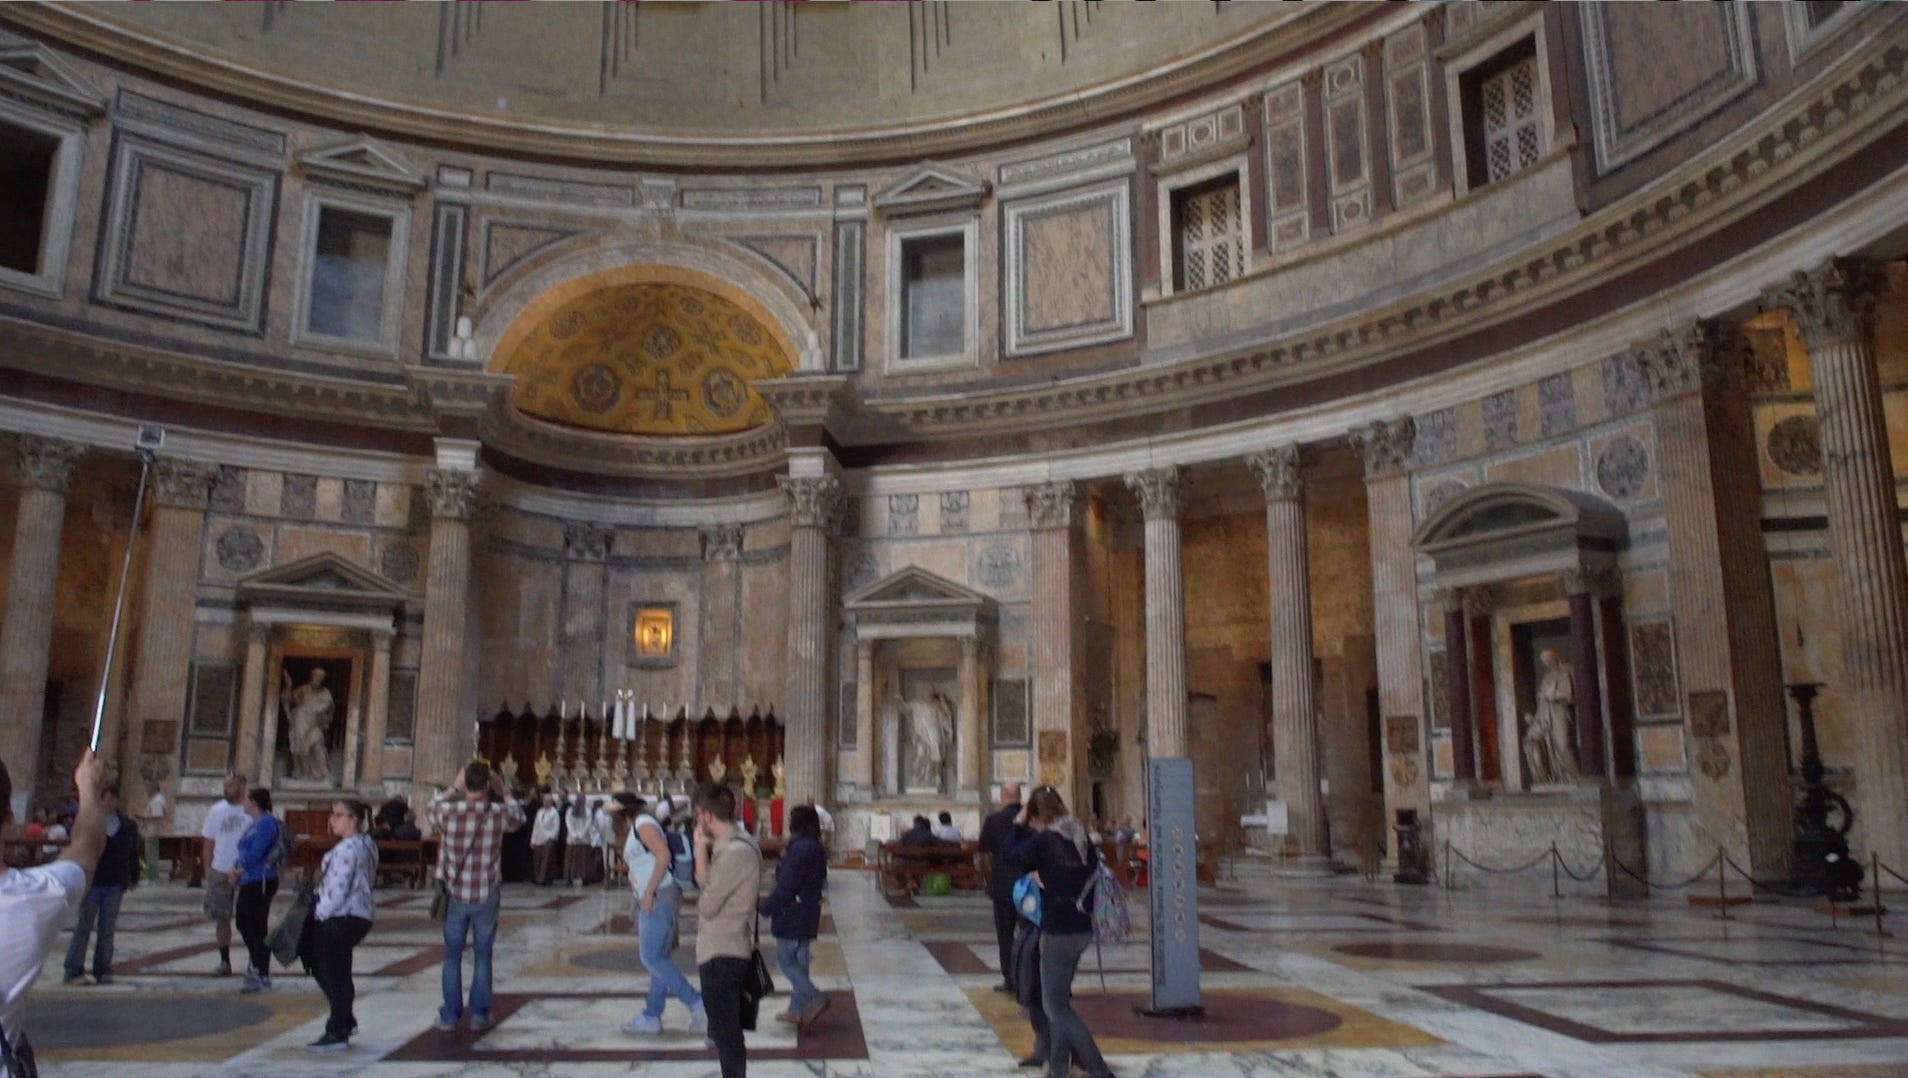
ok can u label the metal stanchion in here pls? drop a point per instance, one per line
(1874, 874)
(1722, 885)
(1447, 864)
(1556, 889)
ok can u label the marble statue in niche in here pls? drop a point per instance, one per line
(308, 711)
(930, 721)
(1548, 756)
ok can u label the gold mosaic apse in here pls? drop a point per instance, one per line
(647, 358)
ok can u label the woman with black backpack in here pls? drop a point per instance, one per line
(1064, 862)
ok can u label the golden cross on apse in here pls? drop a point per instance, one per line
(663, 397)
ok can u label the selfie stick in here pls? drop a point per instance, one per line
(148, 443)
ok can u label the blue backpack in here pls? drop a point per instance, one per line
(1027, 898)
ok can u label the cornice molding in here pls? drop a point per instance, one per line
(635, 456)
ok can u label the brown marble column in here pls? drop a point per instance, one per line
(1158, 491)
(26, 638)
(1057, 643)
(1387, 447)
(867, 738)
(378, 709)
(162, 658)
(971, 768)
(1457, 659)
(1834, 309)
(1289, 594)
(1579, 588)
(445, 735)
(814, 514)
(252, 734)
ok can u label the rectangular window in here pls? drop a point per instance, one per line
(26, 177)
(350, 261)
(933, 296)
(1503, 115)
(1208, 234)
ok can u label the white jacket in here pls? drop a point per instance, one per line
(579, 823)
(549, 822)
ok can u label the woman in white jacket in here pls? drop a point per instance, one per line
(543, 839)
(343, 917)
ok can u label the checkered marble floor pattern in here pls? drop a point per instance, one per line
(1338, 977)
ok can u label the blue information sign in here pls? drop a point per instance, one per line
(1174, 886)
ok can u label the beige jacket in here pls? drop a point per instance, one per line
(725, 913)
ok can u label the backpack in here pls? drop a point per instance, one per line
(281, 850)
(1027, 898)
(682, 860)
(1103, 900)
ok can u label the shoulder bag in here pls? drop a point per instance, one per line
(440, 900)
(757, 985)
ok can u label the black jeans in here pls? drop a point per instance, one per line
(254, 906)
(722, 998)
(333, 940)
(1005, 920)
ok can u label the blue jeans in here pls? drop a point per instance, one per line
(1068, 1039)
(656, 937)
(101, 905)
(792, 957)
(479, 921)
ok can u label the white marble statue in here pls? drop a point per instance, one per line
(1548, 755)
(308, 717)
(930, 732)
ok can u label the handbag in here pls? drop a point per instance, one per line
(757, 985)
(285, 938)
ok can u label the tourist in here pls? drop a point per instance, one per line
(1058, 851)
(945, 829)
(36, 830)
(921, 834)
(225, 822)
(729, 870)
(1000, 832)
(657, 907)
(543, 839)
(470, 833)
(156, 810)
(794, 912)
(577, 849)
(827, 822)
(118, 870)
(255, 875)
(35, 902)
(407, 831)
(343, 917)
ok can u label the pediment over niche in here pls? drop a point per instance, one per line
(929, 188)
(916, 602)
(322, 582)
(362, 162)
(32, 72)
(1507, 531)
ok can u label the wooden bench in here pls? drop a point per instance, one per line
(902, 869)
(411, 861)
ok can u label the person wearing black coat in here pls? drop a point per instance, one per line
(1064, 862)
(1000, 832)
(794, 912)
(120, 866)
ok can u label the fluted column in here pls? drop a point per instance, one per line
(1294, 707)
(1387, 448)
(1579, 590)
(378, 709)
(1834, 309)
(1158, 490)
(162, 661)
(814, 513)
(441, 718)
(26, 639)
(1051, 508)
(970, 771)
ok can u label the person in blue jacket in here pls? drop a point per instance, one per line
(1058, 853)
(256, 875)
(794, 910)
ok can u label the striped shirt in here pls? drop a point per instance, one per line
(470, 842)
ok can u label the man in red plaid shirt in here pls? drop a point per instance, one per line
(470, 831)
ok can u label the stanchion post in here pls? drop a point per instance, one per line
(1874, 873)
(1556, 888)
(1722, 885)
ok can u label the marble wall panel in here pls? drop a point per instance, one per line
(764, 631)
(295, 543)
(327, 501)
(1637, 100)
(1067, 268)
(1660, 748)
(1560, 467)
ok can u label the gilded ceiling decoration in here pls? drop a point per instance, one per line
(648, 358)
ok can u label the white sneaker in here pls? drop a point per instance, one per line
(643, 1026)
(698, 1018)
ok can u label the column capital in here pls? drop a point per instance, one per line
(586, 540)
(1158, 490)
(814, 501)
(722, 542)
(1449, 600)
(1683, 358)
(1386, 444)
(182, 484)
(1833, 302)
(1592, 582)
(1051, 504)
(453, 492)
(47, 463)
(383, 636)
(258, 632)
(1278, 472)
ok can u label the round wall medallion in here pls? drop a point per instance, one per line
(1622, 467)
(724, 392)
(399, 563)
(596, 388)
(1795, 444)
(240, 550)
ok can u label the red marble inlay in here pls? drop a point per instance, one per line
(1228, 1018)
(1415, 951)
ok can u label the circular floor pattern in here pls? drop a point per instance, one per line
(1425, 951)
(121, 1020)
(1228, 1018)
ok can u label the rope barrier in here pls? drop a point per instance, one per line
(1525, 867)
(1596, 869)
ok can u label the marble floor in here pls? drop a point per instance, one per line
(1338, 977)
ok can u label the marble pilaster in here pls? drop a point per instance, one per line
(442, 724)
(1056, 643)
(1457, 658)
(867, 754)
(26, 638)
(1387, 447)
(582, 631)
(1294, 703)
(1579, 589)
(814, 513)
(970, 776)
(1158, 491)
(162, 661)
(377, 711)
(252, 716)
(1834, 309)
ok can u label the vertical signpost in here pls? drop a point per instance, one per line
(1173, 889)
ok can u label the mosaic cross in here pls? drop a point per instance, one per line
(663, 398)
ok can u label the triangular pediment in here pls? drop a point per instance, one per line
(31, 71)
(362, 162)
(914, 586)
(931, 187)
(325, 578)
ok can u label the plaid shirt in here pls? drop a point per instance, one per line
(470, 843)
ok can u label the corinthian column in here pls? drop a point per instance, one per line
(441, 718)
(1294, 710)
(1834, 309)
(46, 468)
(162, 662)
(1056, 650)
(1158, 490)
(1387, 449)
(814, 513)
